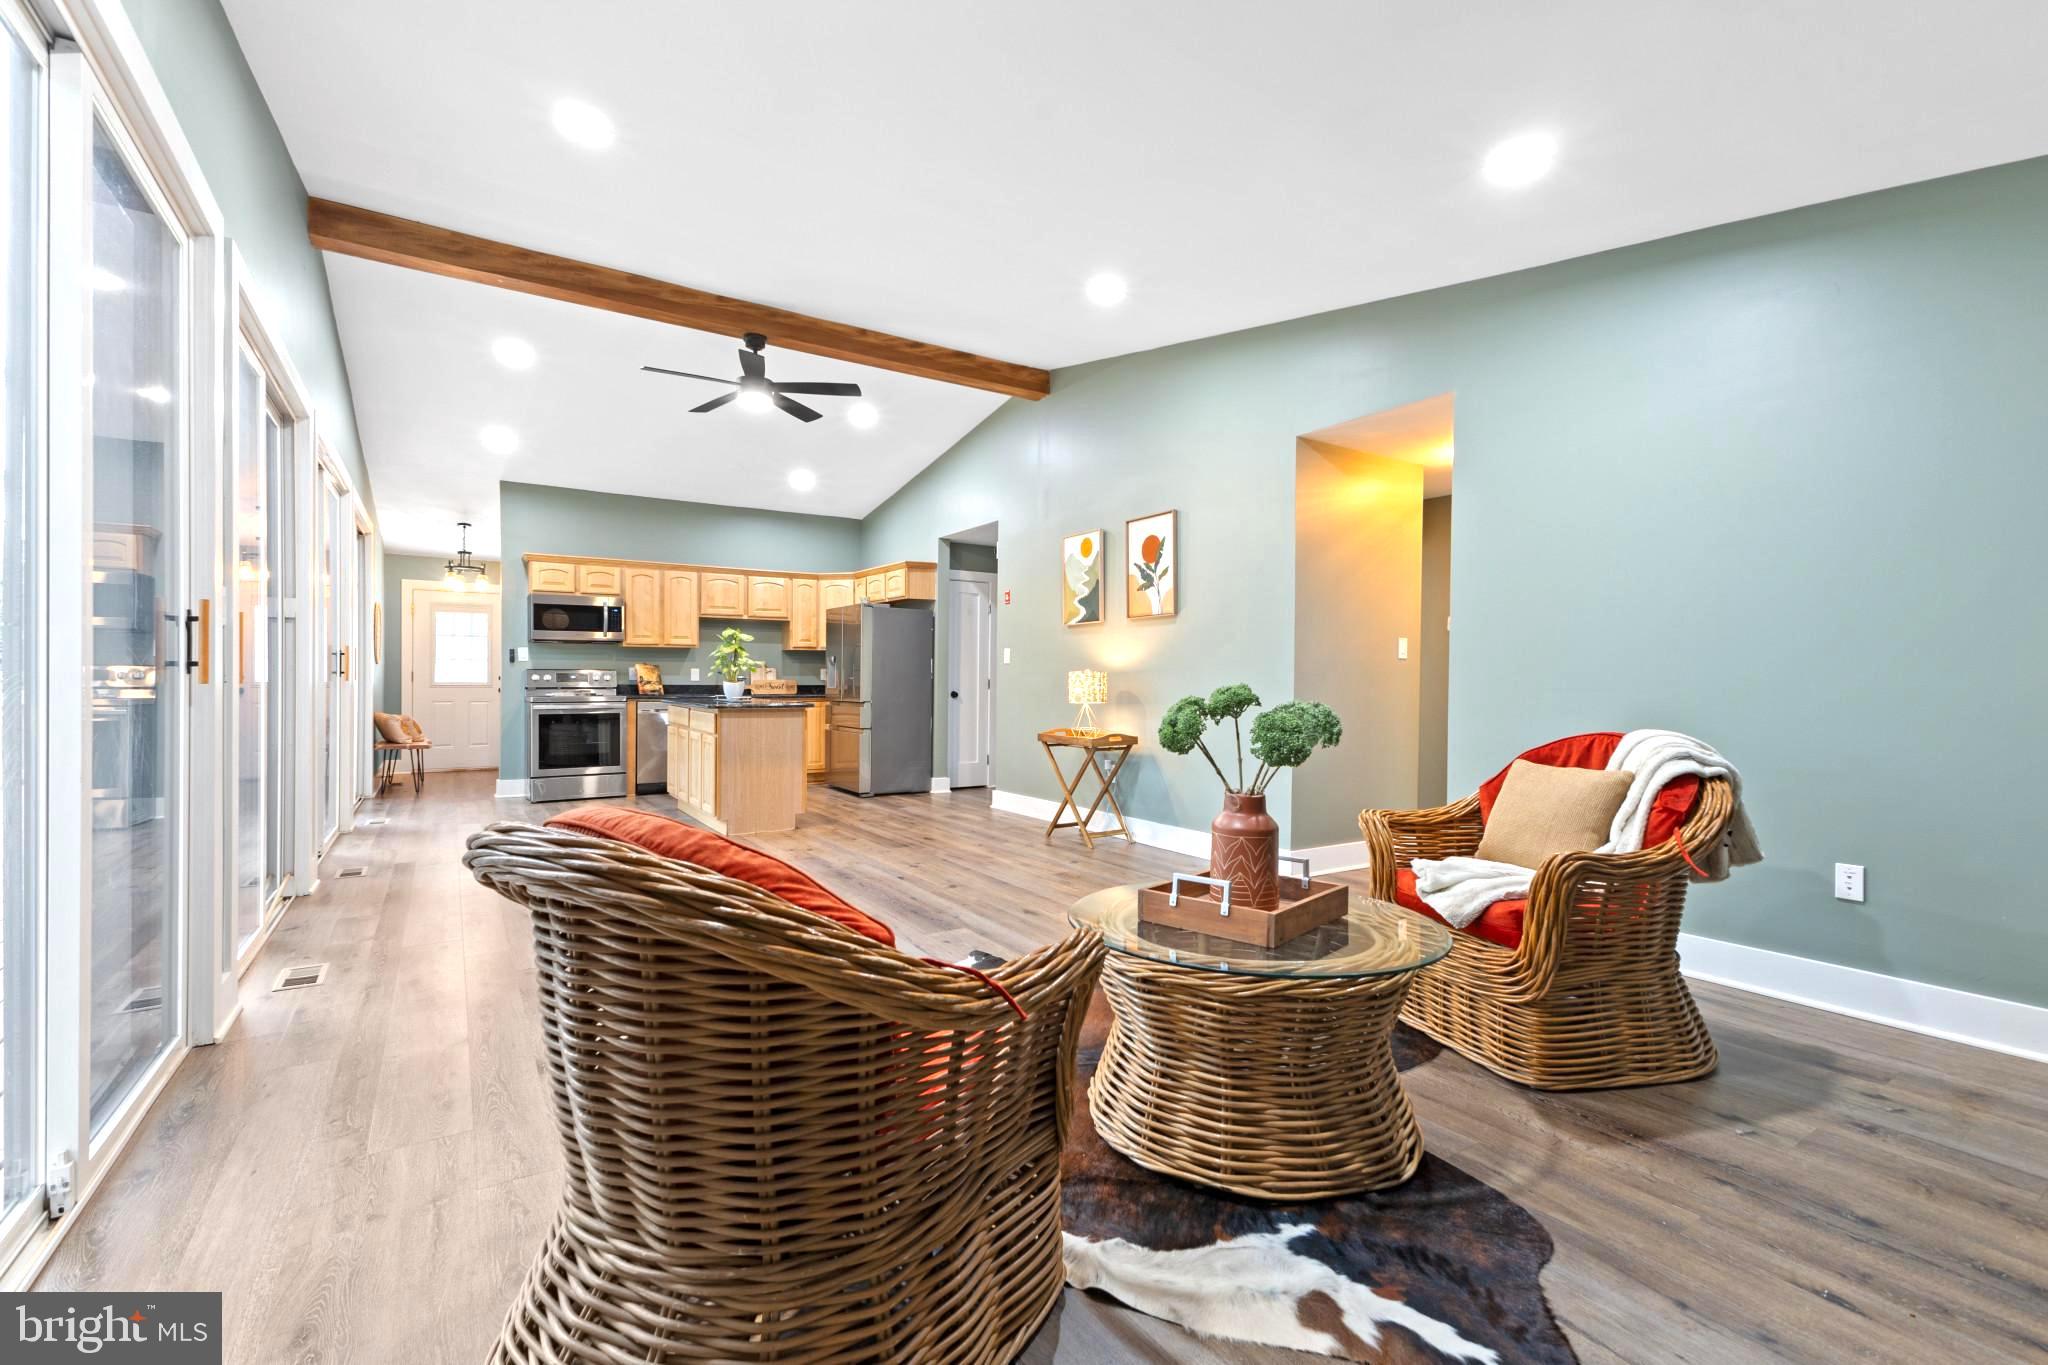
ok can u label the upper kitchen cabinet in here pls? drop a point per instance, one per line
(679, 609)
(768, 597)
(806, 620)
(600, 580)
(646, 620)
(834, 592)
(721, 594)
(550, 575)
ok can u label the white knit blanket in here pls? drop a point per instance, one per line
(1460, 889)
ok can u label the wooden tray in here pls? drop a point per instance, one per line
(1299, 911)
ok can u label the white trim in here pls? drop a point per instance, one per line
(1193, 843)
(1323, 858)
(510, 789)
(942, 786)
(1917, 1006)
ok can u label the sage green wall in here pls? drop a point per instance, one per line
(536, 519)
(1432, 755)
(193, 51)
(397, 569)
(1776, 484)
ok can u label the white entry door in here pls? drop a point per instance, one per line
(970, 735)
(451, 662)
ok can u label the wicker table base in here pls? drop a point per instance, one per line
(1275, 1087)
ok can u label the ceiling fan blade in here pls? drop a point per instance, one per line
(685, 374)
(824, 390)
(796, 409)
(751, 364)
(717, 402)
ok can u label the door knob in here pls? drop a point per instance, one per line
(955, 696)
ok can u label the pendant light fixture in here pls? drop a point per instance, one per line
(463, 572)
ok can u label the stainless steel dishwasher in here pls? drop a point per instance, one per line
(650, 746)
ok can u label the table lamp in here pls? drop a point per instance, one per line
(1087, 688)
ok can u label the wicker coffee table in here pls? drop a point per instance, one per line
(1263, 1071)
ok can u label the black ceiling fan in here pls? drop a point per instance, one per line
(758, 389)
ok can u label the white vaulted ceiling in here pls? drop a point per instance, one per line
(953, 171)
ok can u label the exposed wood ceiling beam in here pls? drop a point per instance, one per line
(373, 236)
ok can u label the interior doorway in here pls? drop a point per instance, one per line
(970, 652)
(1373, 514)
(451, 673)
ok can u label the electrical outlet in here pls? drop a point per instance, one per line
(1849, 882)
(695, 674)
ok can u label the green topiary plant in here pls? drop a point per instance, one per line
(1283, 737)
(730, 660)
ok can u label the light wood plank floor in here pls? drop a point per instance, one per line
(365, 1167)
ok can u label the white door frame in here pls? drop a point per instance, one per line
(988, 582)
(408, 589)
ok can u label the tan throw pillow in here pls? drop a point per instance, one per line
(1542, 811)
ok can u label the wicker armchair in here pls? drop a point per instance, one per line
(1592, 998)
(785, 1141)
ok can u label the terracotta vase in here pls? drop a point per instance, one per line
(1244, 846)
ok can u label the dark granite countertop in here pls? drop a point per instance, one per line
(707, 691)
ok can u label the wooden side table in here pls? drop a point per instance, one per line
(1094, 749)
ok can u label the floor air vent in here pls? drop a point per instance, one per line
(376, 820)
(148, 998)
(293, 978)
(353, 872)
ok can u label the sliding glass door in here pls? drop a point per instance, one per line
(138, 631)
(279, 656)
(337, 531)
(21, 445)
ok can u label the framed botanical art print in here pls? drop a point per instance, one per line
(1152, 566)
(1081, 579)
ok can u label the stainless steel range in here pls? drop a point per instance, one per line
(575, 734)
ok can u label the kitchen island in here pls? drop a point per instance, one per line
(737, 767)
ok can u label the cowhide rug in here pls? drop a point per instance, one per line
(1442, 1268)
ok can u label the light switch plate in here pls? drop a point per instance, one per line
(1401, 648)
(1849, 882)
(1006, 654)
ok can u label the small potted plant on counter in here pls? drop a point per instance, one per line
(731, 662)
(1244, 841)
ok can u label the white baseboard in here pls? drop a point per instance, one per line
(1939, 1011)
(510, 790)
(1323, 858)
(1173, 838)
(941, 785)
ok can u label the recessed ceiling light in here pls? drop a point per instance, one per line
(1106, 289)
(802, 480)
(153, 393)
(863, 415)
(106, 281)
(584, 124)
(514, 353)
(499, 440)
(1520, 161)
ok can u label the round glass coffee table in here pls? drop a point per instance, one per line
(1264, 1071)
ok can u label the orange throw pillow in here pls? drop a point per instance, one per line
(693, 844)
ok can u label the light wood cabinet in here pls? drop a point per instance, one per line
(833, 592)
(599, 580)
(896, 583)
(876, 586)
(768, 597)
(814, 741)
(641, 589)
(678, 608)
(806, 624)
(721, 594)
(548, 575)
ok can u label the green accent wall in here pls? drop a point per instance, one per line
(1774, 483)
(192, 49)
(397, 569)
(537, 519)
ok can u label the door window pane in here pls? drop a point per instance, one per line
(462, 648)
(20, 409)
(135, 414)
(251, 663)
(280, 641)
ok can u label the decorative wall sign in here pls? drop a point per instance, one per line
(1081, 596)
(1152, 566)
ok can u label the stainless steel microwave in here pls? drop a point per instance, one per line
(574, 616)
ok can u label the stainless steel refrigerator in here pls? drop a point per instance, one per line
(878, 676)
